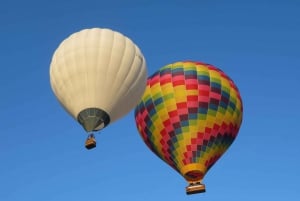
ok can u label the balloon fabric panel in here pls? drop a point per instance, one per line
(189, 115)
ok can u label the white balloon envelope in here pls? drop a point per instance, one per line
(98, 76)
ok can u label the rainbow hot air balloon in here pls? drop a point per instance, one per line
(189, 115)
(98, 75)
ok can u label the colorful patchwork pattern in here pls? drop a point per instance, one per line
(189, 115)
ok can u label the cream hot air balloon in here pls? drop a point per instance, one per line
(98, 76)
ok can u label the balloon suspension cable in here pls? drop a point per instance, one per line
(90, 142)
(195, 187)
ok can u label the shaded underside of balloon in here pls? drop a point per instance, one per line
(189, 115)
(93, 119)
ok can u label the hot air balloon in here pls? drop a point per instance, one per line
(189, 115)
(98, 76)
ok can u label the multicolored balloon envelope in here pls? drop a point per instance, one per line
(189, 115)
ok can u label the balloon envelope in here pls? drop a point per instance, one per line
(98, 76)
(189, 115)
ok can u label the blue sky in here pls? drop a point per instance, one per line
(255, 42)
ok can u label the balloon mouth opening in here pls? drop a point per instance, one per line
(93, 119)
(193, 172)
(194, 175)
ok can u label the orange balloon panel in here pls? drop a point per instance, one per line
(189, 115)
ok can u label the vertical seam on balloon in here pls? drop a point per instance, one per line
(117, 71)
(216, 150)
(225, 144)
(127, 90)
(139, 74)
(165, 156)
(175, 102)
(180, 150)
(129, 72)
(195, 67)
(97, 40)
(122, 88)
(52, 80)
(156, 149)
(219, 149)
(207, 114)
(109, 60)
(136, 81)
(235, 111)
(159, 147)
(66, 70)
(173, 151)
(86, 81)
(119, 89)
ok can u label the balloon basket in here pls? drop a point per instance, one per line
(195, 187)
(90, 142)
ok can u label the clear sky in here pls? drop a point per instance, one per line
(257, 43)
